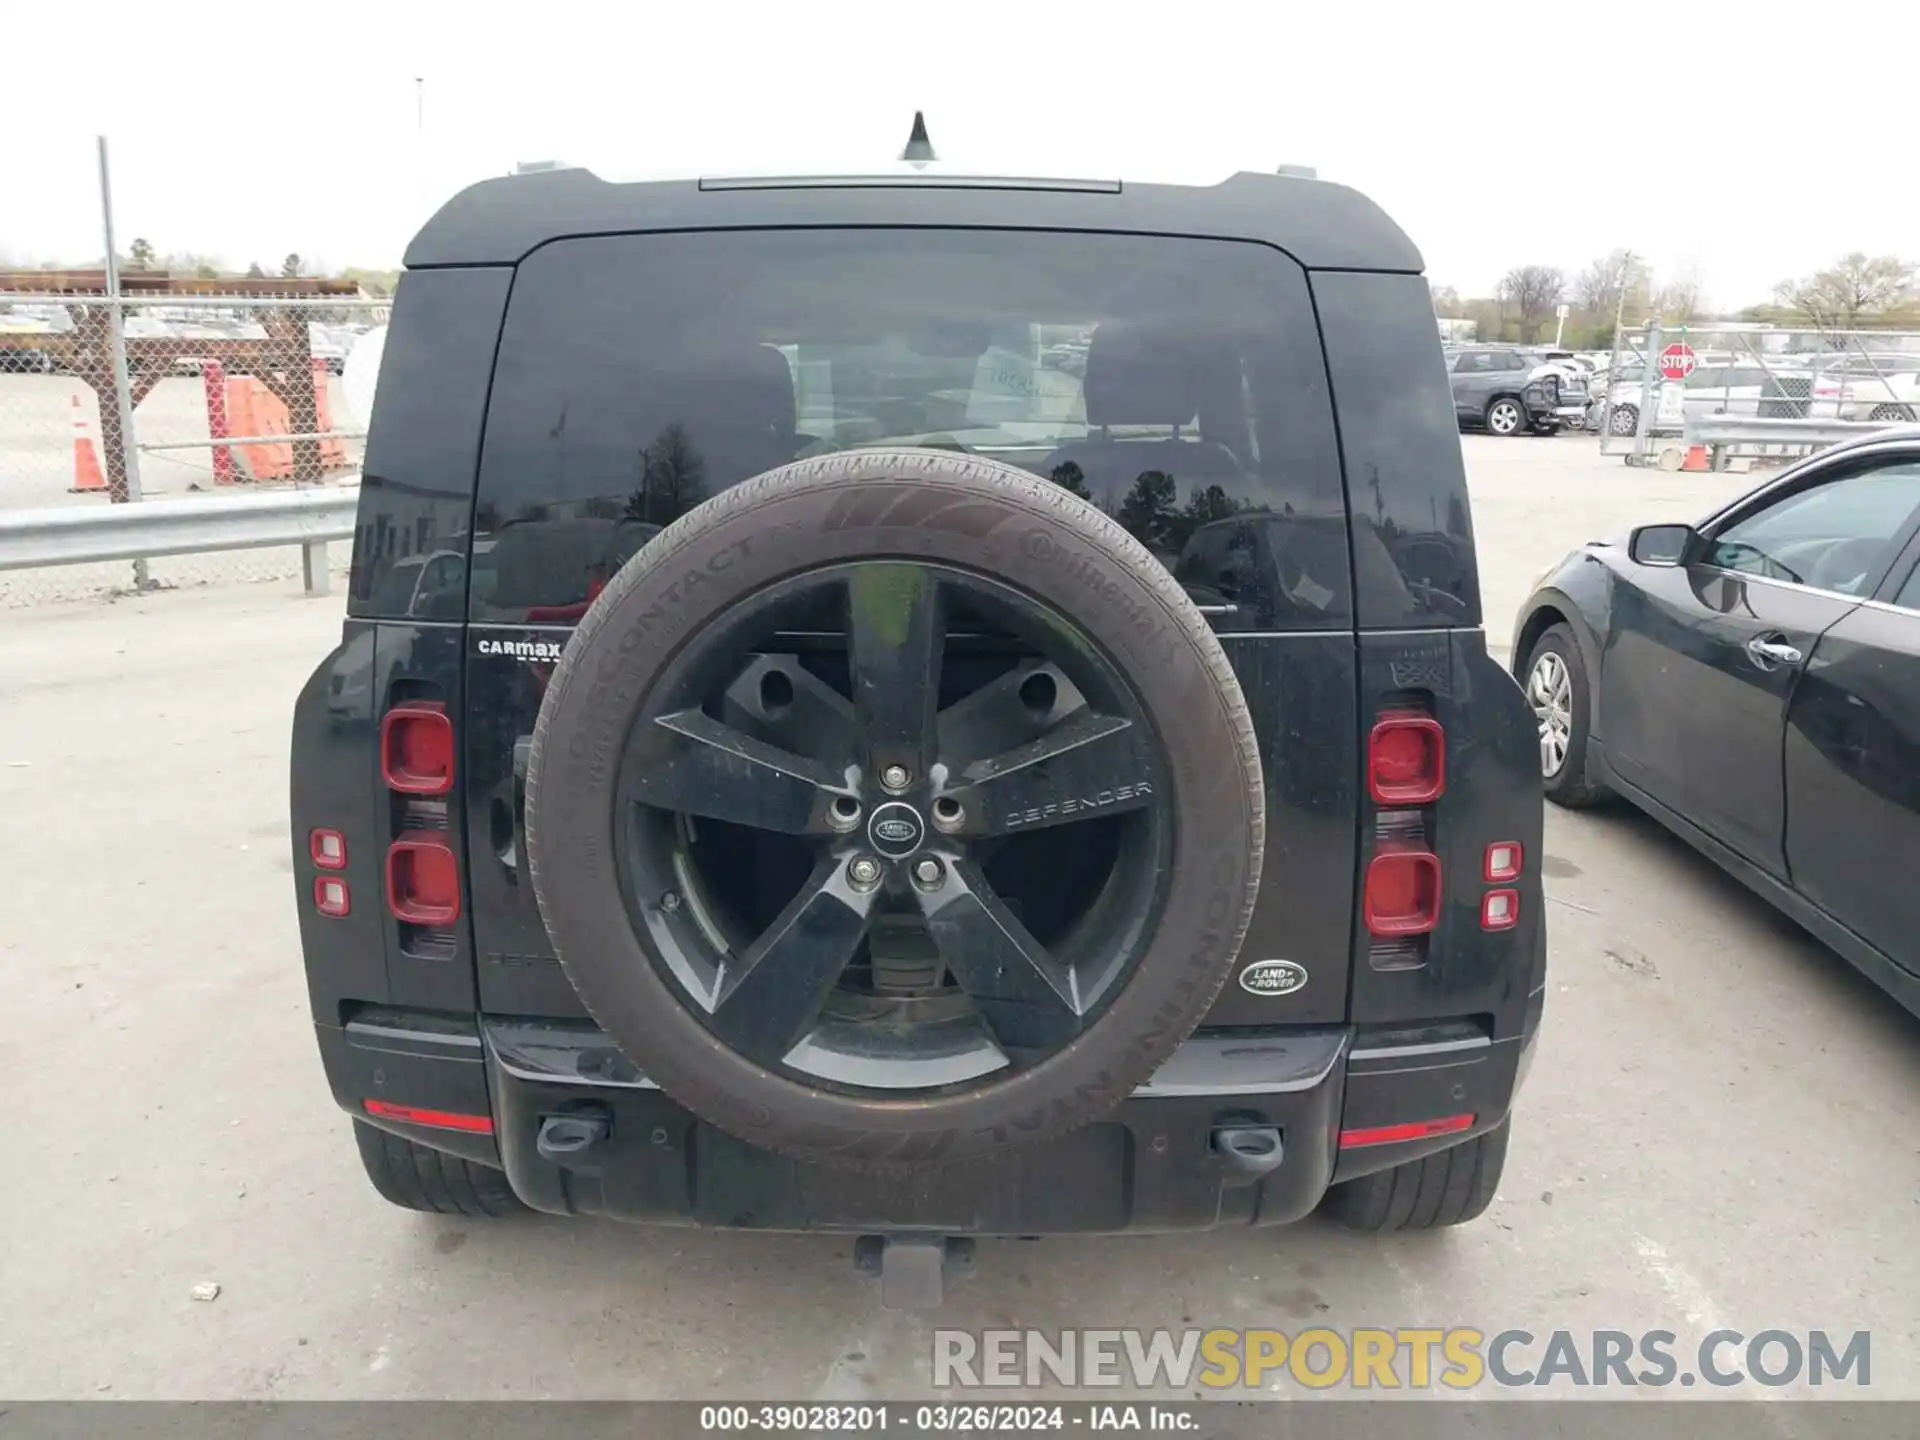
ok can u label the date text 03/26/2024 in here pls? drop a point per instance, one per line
(941, 1419)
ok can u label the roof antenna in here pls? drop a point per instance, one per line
(919, 149)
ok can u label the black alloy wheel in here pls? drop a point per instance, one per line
(902, 860)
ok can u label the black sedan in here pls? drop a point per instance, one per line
(1753, 683)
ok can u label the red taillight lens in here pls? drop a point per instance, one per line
(1504, 861)
(328, 849)
(1403, 892)
(1413, 1130)
(416, 749)
(423, 882)
(331, 896)
(1500, 910)
(1406, 759)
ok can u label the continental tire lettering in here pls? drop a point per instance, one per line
(914, 508)
(1083, 1093)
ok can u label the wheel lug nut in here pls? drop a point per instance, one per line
(929, 873)
(896, 778)
(863, 872)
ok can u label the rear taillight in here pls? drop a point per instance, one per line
(416, 749)
(331, 896)
(1406, 759)
(1500, 910)
(1402, 892)
(328, 849)
(423, 880)
(1503, 861)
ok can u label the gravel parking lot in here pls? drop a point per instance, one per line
(1719, 1129)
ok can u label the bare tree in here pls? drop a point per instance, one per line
(290, 267)
(1601, 285)
(1856, 288)
(1533, 291)
(1679, 298)
(141, 253)
(1446, 302)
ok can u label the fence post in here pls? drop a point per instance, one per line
(213, 378)
(117, 345)
(313, 567)
(1649, 398)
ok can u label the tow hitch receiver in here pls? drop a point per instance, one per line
(912, 1268)
(1251, 1150)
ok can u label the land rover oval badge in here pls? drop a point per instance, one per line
(1273, 977)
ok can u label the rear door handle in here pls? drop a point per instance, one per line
(1768, 652)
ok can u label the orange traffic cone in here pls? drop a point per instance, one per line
(87, 475)
(1696, 458)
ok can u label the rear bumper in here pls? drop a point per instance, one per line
(1152, 1165)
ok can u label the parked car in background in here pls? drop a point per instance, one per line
(1507, 391)
(18, 359)
(30, 336)
(329, 345)
(1717, 386)
(1753, 683)
(1571, 383)
(1871, 387)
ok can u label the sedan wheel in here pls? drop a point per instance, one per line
(1550, 692)
(1892, 413)
(1624, 420)
(1505, 417)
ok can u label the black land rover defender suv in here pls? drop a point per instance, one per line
(945, 706)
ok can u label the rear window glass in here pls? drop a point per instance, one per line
(1177, 384)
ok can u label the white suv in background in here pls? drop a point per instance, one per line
(1871, 387)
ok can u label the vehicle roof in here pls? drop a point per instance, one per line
(1320, 224)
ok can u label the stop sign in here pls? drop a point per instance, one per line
(1677, 361)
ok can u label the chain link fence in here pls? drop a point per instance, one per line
(231, 388)
(1665, 374)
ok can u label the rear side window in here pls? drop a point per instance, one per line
(1176, 384)
(416, 493)
(1413, 559)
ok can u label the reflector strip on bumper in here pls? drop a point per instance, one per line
(438, 1119)
(1413, 1130)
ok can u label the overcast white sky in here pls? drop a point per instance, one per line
(1697, 132)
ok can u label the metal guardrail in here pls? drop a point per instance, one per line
(83, 534)
(1724, 433)
(1756, 430)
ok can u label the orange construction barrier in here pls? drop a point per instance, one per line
(87, 475)
(252, 409)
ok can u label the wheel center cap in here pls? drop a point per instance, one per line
(896, 830)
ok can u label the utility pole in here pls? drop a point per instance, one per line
(1620, 306)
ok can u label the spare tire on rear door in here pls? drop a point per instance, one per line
(893, 807)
